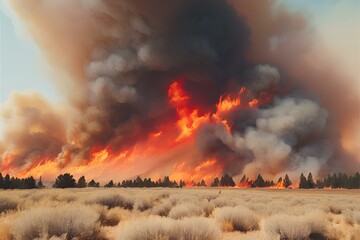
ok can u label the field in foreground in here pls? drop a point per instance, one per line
(179, 214)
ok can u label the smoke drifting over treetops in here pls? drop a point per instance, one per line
(248, 92)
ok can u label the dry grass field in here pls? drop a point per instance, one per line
(179, 214)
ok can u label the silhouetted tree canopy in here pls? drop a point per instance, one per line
(92, 183)
(303, 182)
(65, 181)
(82, 182)
(215, 183)
(287, 182)
(109, 184)
(310, 181)
(40, 184)
(227, 181)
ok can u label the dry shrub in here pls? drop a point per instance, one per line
(317, 224)
(162, 209)
(288, 227)
(163, 195)
(237, 219)
(142, 204)
(7, 204)
(208, 208)
(112, 200)
(223, 201)
(157, 228)
(73, 221)
(66, 198)
(185, 210)
(108, 217)
(297, 227)
(335, 210)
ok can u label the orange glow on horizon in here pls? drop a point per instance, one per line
(170, 136)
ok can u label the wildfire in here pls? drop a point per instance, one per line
(279, 185)
(206, 171)
(226, 104)
(176, 93)
(165, 138)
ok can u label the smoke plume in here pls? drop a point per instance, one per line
(185, 88)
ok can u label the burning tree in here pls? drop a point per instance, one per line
(227, 181)
(303, 182)
(259, 182)
(215, 183)
(177, 78)
(287, 182)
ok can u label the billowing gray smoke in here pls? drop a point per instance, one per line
(118, 58)
(292, 134)
(127, 78)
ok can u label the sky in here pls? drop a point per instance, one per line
(23, 68)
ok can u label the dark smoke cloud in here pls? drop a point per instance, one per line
(200, 37)
(34, 131)
(116, 60)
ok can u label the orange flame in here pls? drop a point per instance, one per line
(167, 137)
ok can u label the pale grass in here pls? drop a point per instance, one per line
(71, 220)
(237, 219)
(112, 213)
(160, 228)
(185, 210)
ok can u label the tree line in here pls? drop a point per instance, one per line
(335, 180)
(339, 180)
(8, 182)
(260, 182)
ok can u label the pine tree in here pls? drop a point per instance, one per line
(7, 181)
(29, 183)
(138, 182)
(2, 182)
(166, 182)
(40, 184)
(110, 184)
(310, 181)
(303, 182)
(65, 181)
(356, 181)
(259, 182)
(181, 184)
(231, 182)
(227, 181)
(287, 181)
(92, 183)
(215, 183)
(319, 184)
(328, 181)
(243, 179)
(335, 181)
(82, 182)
